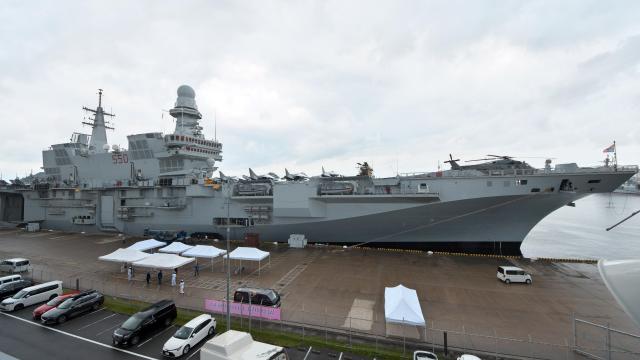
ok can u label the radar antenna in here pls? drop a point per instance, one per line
(98, 140)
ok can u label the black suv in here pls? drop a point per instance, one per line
(11, 288)
(73, 306)
(257, 296)
(156, 317)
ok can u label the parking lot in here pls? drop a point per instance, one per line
(89, 336)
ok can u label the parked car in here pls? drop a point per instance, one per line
(16, 265)
(510, 274)
(51, 304)
(424, 355)
(76, 305)
(32, 295)
(9, 278)
(144, 323)
(257, 296)
(11, 288)
(189, 335)
(468, 357)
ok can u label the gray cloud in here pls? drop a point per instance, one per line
(307, 84)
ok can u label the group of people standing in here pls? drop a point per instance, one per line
(174, 277)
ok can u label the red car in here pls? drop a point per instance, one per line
(51, 304)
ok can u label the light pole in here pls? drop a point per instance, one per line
(228, 257)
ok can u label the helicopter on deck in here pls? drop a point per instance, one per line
(492, 162)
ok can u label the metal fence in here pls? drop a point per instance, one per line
(602, 342)
(320, 326)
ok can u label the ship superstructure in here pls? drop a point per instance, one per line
(166, 182)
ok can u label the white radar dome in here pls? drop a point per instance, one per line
(186, 91)
(105, 147)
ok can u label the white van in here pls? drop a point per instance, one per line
(236, 345)
(16, 265)
(32, 295)
(9, 279)
(510, 274)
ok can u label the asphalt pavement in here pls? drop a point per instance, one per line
(89, 336)
(79, 338)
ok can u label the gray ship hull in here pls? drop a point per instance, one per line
(485, 225)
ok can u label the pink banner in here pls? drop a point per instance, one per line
(256, 311)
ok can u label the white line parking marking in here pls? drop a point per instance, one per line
(95, 322)
(193, 353)
(340, 358)
(105, 330)
(197, 351)
(93, 312)
(156, 335)
(80, 337)
(307, 355)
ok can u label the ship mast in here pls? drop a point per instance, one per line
(99, 132)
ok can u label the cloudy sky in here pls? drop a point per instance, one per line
(303, 84)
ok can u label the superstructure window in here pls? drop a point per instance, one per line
(234, 221)
(595, 181)
(522, 182)
(171, 164)
(535, 190)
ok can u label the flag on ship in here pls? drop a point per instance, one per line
(610, 149)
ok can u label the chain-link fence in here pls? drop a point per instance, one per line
(353, 328)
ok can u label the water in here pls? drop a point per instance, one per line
(579, 232)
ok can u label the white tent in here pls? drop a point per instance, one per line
(401, 306)
(163, 261)
(251, 254)
(175, 247)
(145, 245)
(204, 251)
(125, 256)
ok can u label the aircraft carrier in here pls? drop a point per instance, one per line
(167, 182)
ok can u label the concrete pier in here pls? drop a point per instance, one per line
(343, 290)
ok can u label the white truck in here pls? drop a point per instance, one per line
(237, 345)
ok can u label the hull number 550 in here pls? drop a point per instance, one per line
(120, 158)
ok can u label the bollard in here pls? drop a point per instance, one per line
(446, 349)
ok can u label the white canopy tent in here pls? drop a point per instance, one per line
(251, 254)
(204, 251)
(401, 306)
(148, 244)
(175, 247)
(124, 256)
(163, 261)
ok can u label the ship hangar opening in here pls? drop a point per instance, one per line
(11, 207)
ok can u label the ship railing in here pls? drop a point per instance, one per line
(628, 168)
